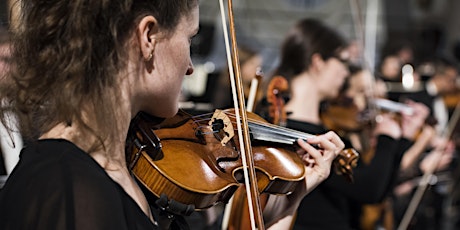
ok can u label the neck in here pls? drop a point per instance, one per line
(304, 103)
(106, 146)
(109, 154)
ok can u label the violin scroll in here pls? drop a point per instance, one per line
(276, 111)
(345, 162)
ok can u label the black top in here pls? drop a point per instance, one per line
(423, 96)
(2, 164)
(56, 185)
(333, 204)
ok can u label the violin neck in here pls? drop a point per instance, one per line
(392, 106)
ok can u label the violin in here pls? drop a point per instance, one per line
(276, 112)
(451, 99)
(195, 160)
(343, 116)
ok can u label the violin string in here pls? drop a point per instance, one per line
(266, 127)
(279, 129)
(201, 117)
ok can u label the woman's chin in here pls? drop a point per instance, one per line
(162, 111)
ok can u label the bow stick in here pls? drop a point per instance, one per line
(252, 192)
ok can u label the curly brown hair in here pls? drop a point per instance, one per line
(68, 55)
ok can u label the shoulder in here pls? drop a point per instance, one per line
(58, 163)
(55, 167)
(56, 183)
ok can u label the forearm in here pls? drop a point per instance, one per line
(414, 152)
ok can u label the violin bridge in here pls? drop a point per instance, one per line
(222, 126)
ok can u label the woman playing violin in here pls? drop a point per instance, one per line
(314, 61)
(81, 71)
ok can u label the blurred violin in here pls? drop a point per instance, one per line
(391, 106)
(343, 116)
(276, 112)
(452, 99)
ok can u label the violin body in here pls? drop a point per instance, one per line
(196, 161)
(343, 116)
(170, 162)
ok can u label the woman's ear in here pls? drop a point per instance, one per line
(317, 62)
(148, 32)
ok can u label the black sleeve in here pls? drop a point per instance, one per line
(370, 180)
(403, 146)
(2, 164)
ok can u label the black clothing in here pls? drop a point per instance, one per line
(330, 205)
(56, 185)
(2, 164)
(423, 97)
(430, 213)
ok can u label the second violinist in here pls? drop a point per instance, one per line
(314, 59)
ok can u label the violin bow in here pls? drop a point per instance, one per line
(255, 83)
(427, 176)
(366, 39)
(250, 180)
